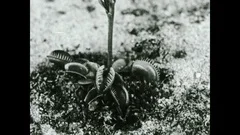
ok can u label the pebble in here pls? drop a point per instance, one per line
(178, 83)
(197, 75)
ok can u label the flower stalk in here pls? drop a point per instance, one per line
(110, 15)
(109, 7)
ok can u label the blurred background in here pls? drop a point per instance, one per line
(61, 24)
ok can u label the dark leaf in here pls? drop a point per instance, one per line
(59, 57)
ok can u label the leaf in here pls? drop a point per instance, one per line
(76, 68)
(92, 97)
(145, 69)
(85, 81)
(81, 93)
(59, 57)
(121, 98)
(92, 67)
(99, 77)
(109, 79)
(118, 79)
(104, 78)
(119, 64)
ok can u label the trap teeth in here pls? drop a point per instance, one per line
(148, 60)
(59, 57)
(76, 68)
(158, 68)
(109, 79)
(103, 83)
(99, 77)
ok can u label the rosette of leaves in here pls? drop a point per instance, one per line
(81, 91)
(105, 78)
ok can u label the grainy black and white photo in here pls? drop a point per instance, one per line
(119, 67)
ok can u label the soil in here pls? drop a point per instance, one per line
(179, 29)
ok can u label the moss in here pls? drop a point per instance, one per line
(180, 54)
(56, 94)
(35, 129)
(136, 12)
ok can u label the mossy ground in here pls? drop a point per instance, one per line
(181, 27)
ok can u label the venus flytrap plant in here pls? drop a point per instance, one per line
(80, 89)
(106, 80)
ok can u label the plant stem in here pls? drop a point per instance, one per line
(110, 15)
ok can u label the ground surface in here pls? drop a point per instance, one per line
(183, 24)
